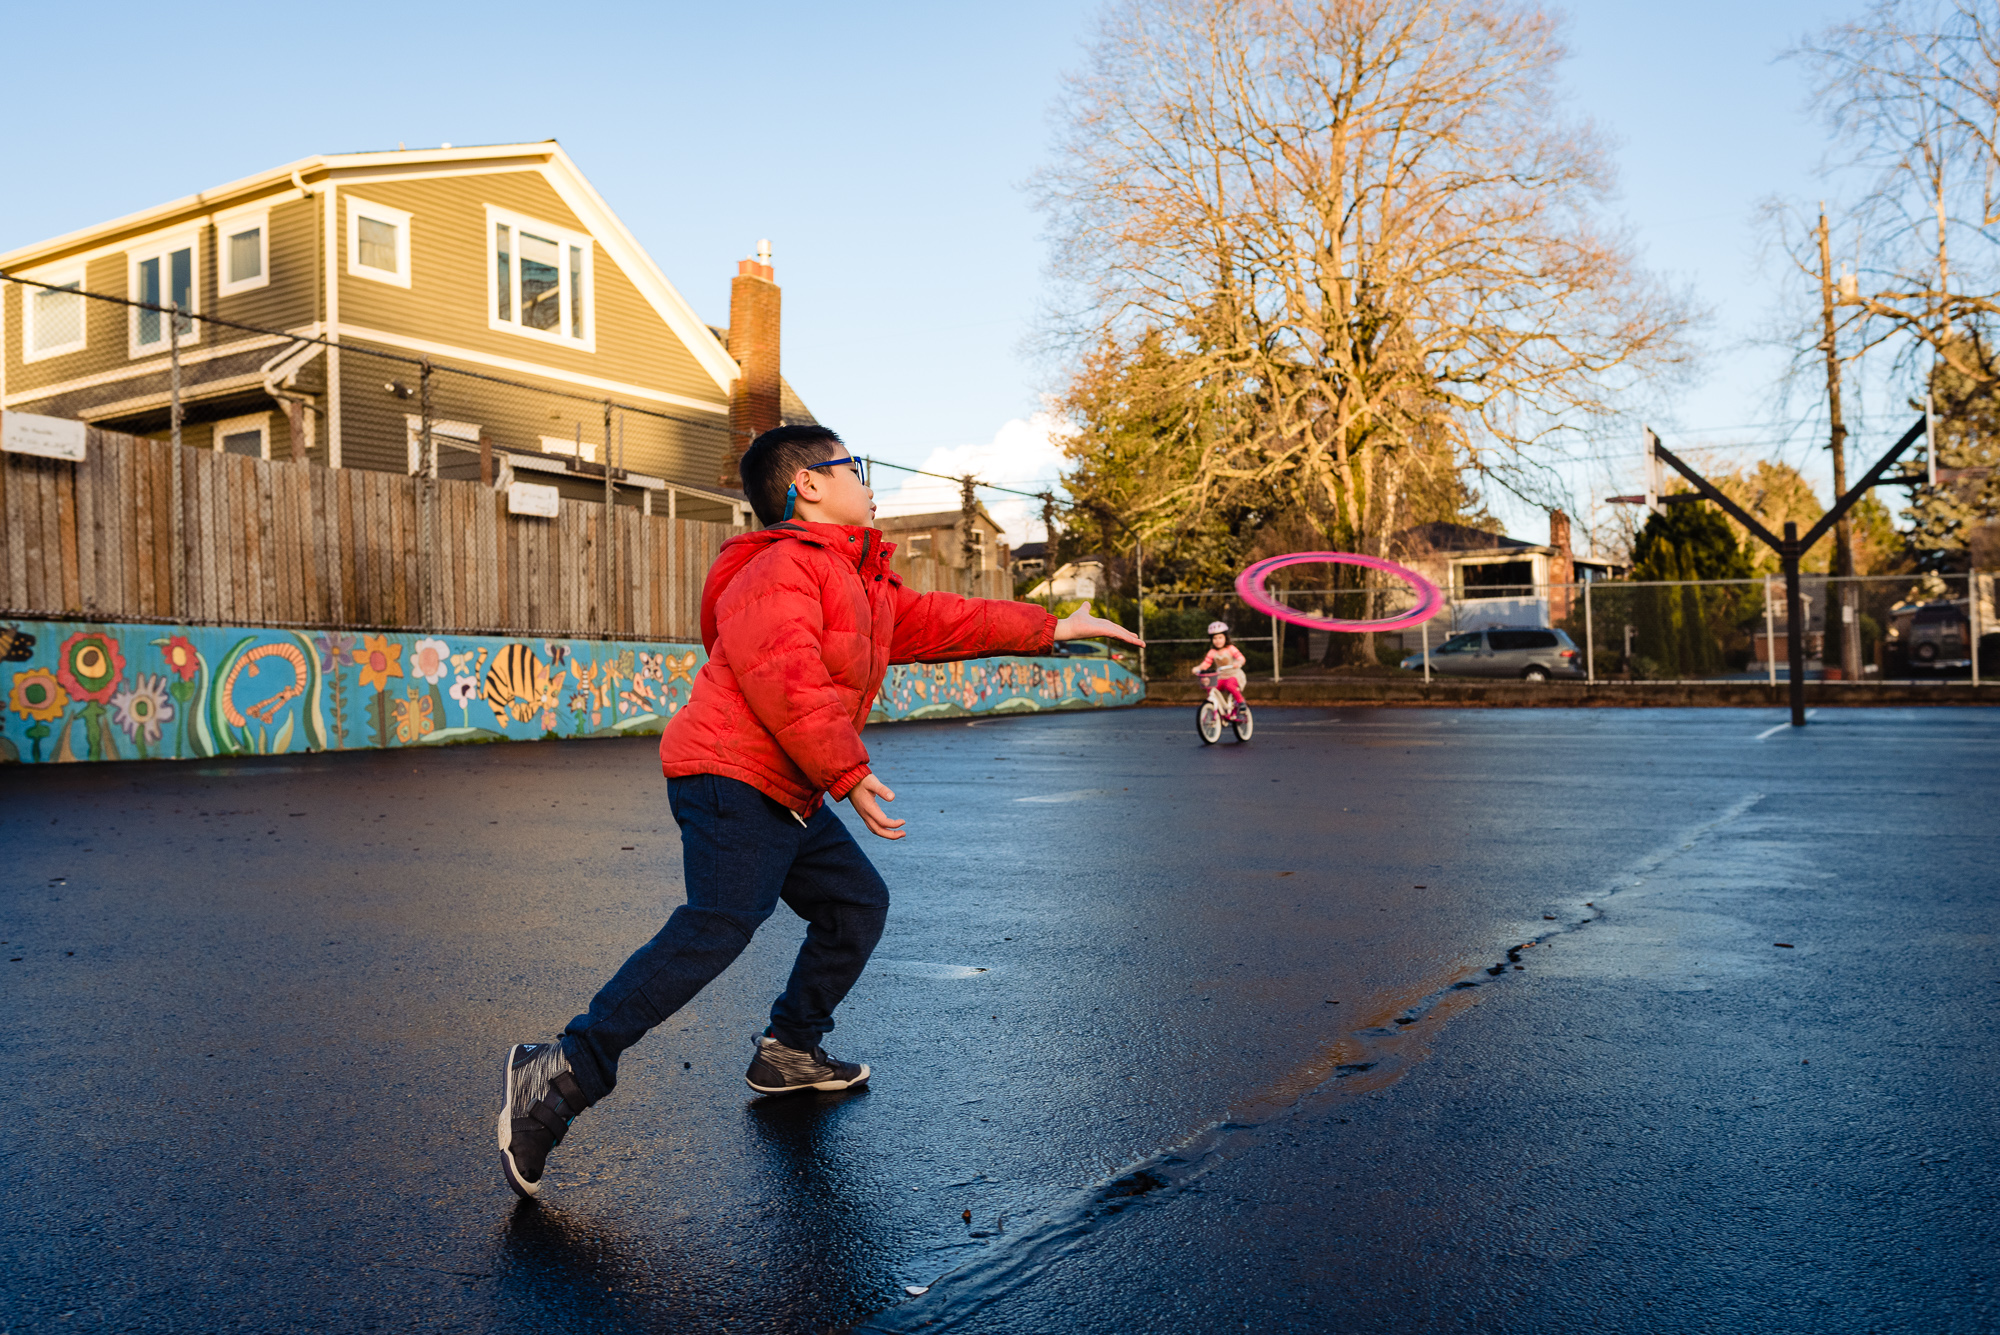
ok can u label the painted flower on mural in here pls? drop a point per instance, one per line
(413, 718)
(334, 650)
(180, 655)
(37, 695)
(89, 665)
(429, 659)
(140, 711)
(379, 660)
(463, 692)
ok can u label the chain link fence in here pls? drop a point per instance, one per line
(1861, 630)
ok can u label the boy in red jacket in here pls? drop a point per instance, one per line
(800, 622)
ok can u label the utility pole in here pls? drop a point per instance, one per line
(1849, 627)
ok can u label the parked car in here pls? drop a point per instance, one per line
(1531, 653)
(1929, 637)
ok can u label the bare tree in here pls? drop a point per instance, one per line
(1912, 93)
(1349, 233)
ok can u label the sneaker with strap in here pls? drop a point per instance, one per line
(777, 1069)
(539, 1098)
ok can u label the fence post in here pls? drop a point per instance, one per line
(1589, 640)
(1427, 637)
(1770, 637)
(427, 461)
(608, 618)
(1138, 582)
(174, 371)
(1277, 652)
(1972, 620)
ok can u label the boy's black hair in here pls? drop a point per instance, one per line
(774, 457)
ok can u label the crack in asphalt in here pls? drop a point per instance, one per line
(1359, 1062)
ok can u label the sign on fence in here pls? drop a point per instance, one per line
(49, 437)
(533, 498)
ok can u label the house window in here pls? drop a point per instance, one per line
(244, 435)
(1497, 579)
(54, 319)
(540, 278)
(451, 439)
(162, 274)
(244, 243)
(571, 447)
(920, 544)
(378, 242)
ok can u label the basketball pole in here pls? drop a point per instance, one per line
(1792, 547)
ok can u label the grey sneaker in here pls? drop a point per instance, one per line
(777, 1069)
(539, 1098)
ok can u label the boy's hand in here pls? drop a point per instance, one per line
(862, 798)
(1081, 625)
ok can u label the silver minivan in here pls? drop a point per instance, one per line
(1531, 653)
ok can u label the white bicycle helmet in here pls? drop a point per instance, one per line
(1218, 628)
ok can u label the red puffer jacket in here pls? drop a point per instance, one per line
(800, 622)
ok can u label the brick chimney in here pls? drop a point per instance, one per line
(753, 341)
(1562, 568)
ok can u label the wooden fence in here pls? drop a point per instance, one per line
(142, 531)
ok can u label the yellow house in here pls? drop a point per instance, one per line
(320, 289)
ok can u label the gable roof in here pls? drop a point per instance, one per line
(1445, 537)
(932, 519)
(342, 169)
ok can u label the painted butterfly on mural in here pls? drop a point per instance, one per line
(681, 668)
(16, 645)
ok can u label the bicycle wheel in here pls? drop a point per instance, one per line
(1242, 725)
(1208, 722)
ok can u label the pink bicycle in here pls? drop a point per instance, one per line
(1219, 709)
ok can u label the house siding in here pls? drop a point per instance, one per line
(374, 432)
(448, 301)
(288, 301)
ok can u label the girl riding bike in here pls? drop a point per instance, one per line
(1225, 660)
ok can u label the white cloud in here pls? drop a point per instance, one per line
(1025, 454)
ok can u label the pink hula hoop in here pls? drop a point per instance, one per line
(1250, 587)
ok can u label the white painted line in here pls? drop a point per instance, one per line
(1782, 726)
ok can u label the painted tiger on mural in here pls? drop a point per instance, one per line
(518, 682)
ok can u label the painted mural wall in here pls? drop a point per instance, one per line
(78, 691)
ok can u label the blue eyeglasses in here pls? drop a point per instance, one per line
(854, 461)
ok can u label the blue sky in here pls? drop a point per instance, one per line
(881, 148)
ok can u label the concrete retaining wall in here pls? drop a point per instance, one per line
(122, 691)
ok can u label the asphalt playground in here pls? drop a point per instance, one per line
(1388, 1020)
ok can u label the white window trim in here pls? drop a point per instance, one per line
(566, 447)
(74, 273)
(258, 422)
(466, 433)
(159, 247)
(563, 237)
(358, 209)
(228, 227)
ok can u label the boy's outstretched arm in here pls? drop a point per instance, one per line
(1081, 625)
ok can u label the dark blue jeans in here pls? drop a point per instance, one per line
(743, 853)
